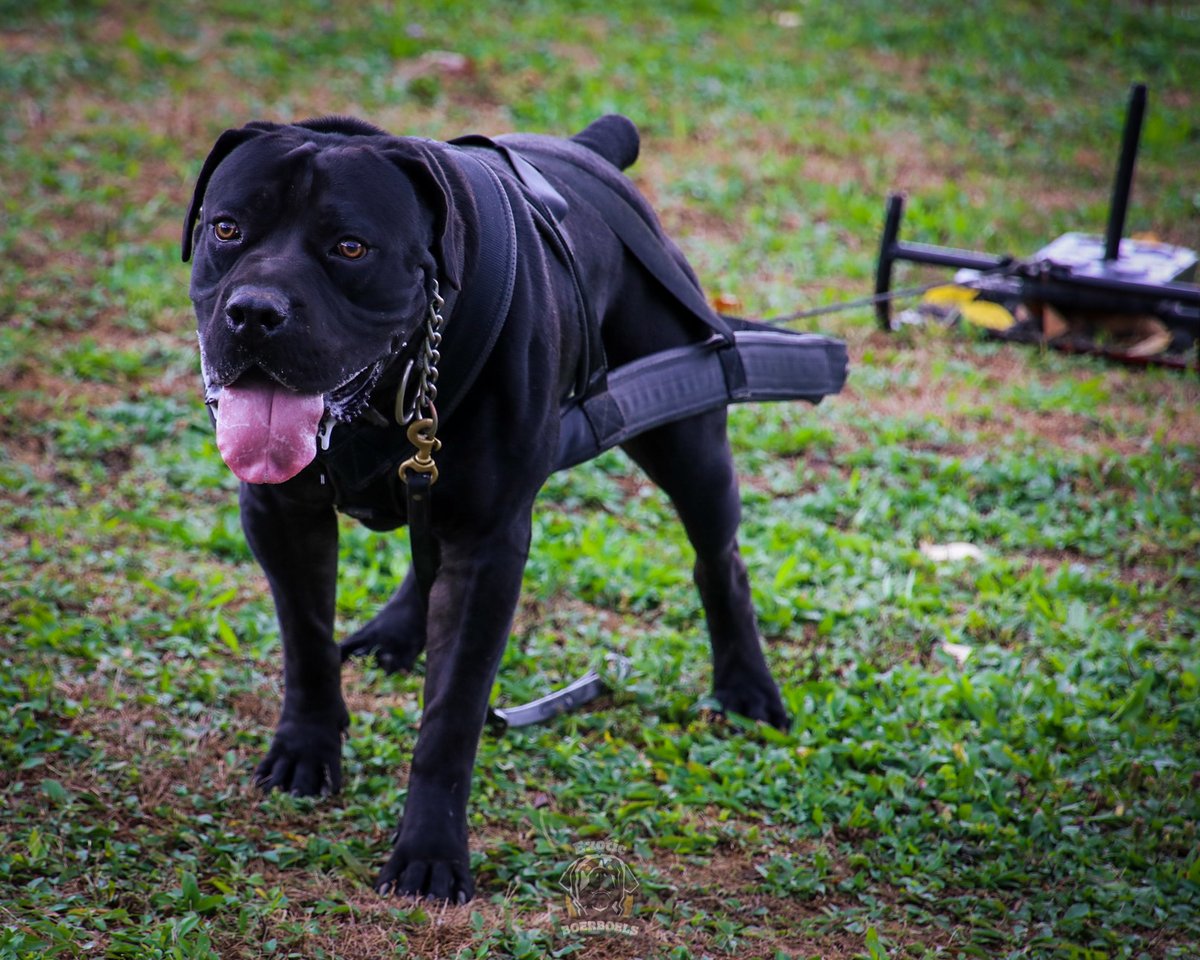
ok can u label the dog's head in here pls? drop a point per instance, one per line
(316, 248)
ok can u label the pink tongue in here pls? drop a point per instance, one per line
(265, 432)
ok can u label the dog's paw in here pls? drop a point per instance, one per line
(305, 759)
(755, 699)
(428, 878)
(393, 655)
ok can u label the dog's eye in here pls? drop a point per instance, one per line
(226, 231)
(351, 249)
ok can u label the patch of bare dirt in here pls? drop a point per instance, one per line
(1142, 407)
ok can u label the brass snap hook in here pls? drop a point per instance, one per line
(422, 434)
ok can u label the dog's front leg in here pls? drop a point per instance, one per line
(292, 530)
(471, 607)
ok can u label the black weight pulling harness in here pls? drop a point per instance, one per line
(741, 361)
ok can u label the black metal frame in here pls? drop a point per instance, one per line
(1177, 303)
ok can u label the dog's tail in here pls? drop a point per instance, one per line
(614, 137)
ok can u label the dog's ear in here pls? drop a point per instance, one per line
(225, 145)
(429, 180)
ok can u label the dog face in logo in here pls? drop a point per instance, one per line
(599, 886)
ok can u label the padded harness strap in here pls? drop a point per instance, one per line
(483, 305)
(685, 381)
(547, 208)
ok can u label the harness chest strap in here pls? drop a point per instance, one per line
(483, 305)
(487, 301)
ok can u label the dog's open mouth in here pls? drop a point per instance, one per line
(267, 433)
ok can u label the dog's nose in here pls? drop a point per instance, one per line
(252, 311)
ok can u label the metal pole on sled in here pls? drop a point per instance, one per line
(1123, 182)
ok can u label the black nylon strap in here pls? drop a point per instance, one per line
(633, 229)
(426, 556)
(529, 175)
(548, 207)
(483, 306)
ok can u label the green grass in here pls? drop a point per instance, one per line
(1038, 799)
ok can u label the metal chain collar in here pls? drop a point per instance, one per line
(421, 416)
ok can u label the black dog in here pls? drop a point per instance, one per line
(322, 253)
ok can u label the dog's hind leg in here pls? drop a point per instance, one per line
(691, 461)
(396, 634)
